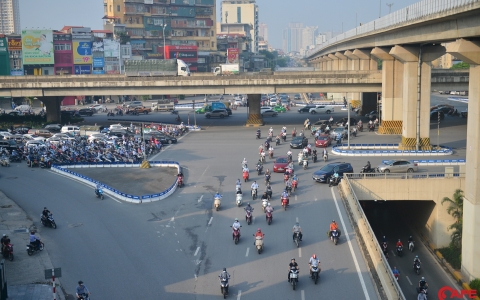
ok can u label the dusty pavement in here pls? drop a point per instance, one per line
(25, 274)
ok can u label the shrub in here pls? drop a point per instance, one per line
(475, 285)
(453, 255)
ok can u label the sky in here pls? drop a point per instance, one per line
(327, 15)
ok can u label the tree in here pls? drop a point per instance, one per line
(455, 209)
(460, 65)
(124, 37)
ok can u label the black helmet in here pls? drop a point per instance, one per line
(224, 269)
(45, 208)
(32, 232)
(80, 282)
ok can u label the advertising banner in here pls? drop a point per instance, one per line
(37, 47)
(81, 70)
(111, 48)
(14, 44)
(232, 55)
(82, 53)
(98, 62)
(97, 46)
(16, 72)
(3, 45)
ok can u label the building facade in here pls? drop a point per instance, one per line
(292, 37)
(63, 53)
(156, 23)
(242, 12)
(9, 16)
(263, 31)
(15, 53)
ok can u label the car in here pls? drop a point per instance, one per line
(268, 113)
(280, 164)
(284, 96)
(97, 107)
(119, 133)
(53, 127)
(320, 109)
(397, 166)
(64, 136)
(266, 108)
(200, 110)
(16, 113)
(445, 109)
(162, 137)
(31, 137)
(321, 124)
(436, 107)
(434, 115)
(135, 104)
(372, 115)
(216, 113)
(299, 142)
(8, 144)
(273, 102)
(279, 108)
(238, 102)
(341, 130)
(323, 140)
(85, 112)
(296, 97)
(328, 170)
(306, 108)
(342, 121)
(117, 127)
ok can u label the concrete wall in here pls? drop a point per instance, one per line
(432, 219)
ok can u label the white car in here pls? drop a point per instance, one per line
(265, 108)
(117, 127)
(98, 107)
(318, 109)
(32, 137)
(33, 143)
(63, 136)
(6, 135)
(97, 136)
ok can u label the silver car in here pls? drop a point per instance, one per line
(397, 166)
(269, 113)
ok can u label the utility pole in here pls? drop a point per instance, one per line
(389, 7)
(380, 13)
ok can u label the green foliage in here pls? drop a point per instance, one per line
(461, 65)
(453, 255)
(475, 285)
(380, 64)
(455, 209)
(124, 37)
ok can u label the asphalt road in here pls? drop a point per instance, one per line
(174, 249)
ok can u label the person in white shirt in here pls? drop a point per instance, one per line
(313, 262)
(236, 226)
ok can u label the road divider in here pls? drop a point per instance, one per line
(386, 150)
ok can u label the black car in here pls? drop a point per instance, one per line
(86, 112)
(342, 121)
(120, 133)
(328, 170)
(434, 115)
(299, 142)
(306, 108)
(164, 138)
(296, 97)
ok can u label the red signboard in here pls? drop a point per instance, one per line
(14, 44)
(185, 53)
(232, 55)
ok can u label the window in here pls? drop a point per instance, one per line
(111, 9)
(213, 44)
(118, 7)
(239, 15)
(62, 47)
(138, 20)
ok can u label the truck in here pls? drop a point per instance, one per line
(227, 69)
(156, 67)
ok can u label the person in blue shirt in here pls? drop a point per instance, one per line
(217, 195)
(34, 240)
(97, 188)
(284, 194)
(82, 290)
(395, 272)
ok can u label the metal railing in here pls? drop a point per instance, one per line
(402, 175)
(371, 237)
(414, 12)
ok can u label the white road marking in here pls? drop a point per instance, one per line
(201, 197)
(355, 261)
(409, 280)
(297, 219)
(239, 294)
(316, 199)
(302, 293)
(248, 250)
(393, 253)
(253, 220)
(196, 251)
(210, 222)
(195, 276)
(299, 252)
(203, 173)
(172, 219)
(296, 198)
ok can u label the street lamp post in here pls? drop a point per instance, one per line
(164, 25)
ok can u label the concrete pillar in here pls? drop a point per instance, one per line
(334, 62)
(342, 61)
(328, 62)
(408, 55)
(469, 52)
(254, 116)
(373, 64)
(365, 57)
(52, 105)
(353, 62)
(392, 87)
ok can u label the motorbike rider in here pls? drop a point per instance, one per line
(236, 226)
(336, 176)
(305, 160)
(270, 130)
(284, 129)
(399, 244)
(248, 208)
(5, 241)
(289, 153)
(313, 262)
(244, 163)
(368, 167)
(217, 195)
(285, 195)
(34, 240)
(292, 265)
(268, 208)
(264, 196)
(255, 187)
(45, 213)
(422, 284)
(259, 234)
(270, 150)
(258, 132)
(224, 276)
(269, 190)
(395, 272)
(330, 120)
(97, 188)
(333, 226)
(82, 290)
(297, 230)
(239, 190)
(325, 152)
(415, 260)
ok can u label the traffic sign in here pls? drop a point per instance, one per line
(49, 273)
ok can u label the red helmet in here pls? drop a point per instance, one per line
(314, 256)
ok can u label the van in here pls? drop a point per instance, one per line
(23, 108)
(71, 129)
(162, 107)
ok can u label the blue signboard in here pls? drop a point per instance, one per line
(98, 71)
(16, 73)
(98, 62)
(80, 70)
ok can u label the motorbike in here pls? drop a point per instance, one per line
(284, 137)
(334, 181)
(180, 181)
(371, 128)
(385, 250)
(5, 161)
(48, 221)
(325, 157)
(411, 245)
(258, 135)
(224, 287)
(216, 203)
(284, 202)
(293, 277)
(83, 297)
(262, 157)
(236, 235)
(289, 158)
(305, 164)
(335, 236)
(259, 169)
(294, 133)
(315, 273)
(267, 178)
(248, 217)
(259, 244)
(289, 190)
(367, 170)
(99, 193)
(254, 194)
(245, 176)
(238, 199)
(270, 154)
(32, 248)
(400, 251)
(269, 217)
(8, 252)
(314, 157)
(294, 185)
(264, 204)
(417, 267)
(277, 141)
(360, 127)
(110, 114)
(296, 239)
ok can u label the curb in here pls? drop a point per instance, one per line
(254, 125)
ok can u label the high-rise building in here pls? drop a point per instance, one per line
(263, 31)
(244, 12)
(9, 16)
(292, 37)
(308, 37)
(150, 24)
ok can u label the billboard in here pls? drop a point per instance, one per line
(14, 44)
(98, 62)
(97, 46)
(80, 70)
(82, 53)
(232, 55)
(37, 47)
(3, 45)
(111, 48)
